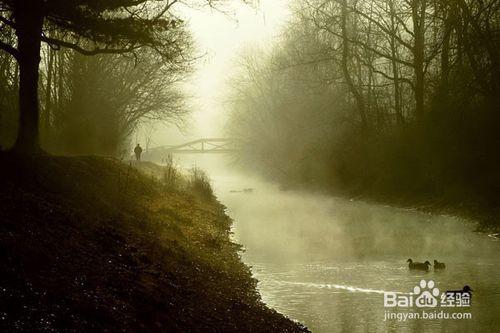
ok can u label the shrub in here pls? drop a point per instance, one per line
(199, 182)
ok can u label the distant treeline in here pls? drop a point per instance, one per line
(382, 97)
(92, 104)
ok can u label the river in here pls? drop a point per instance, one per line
(327, 261)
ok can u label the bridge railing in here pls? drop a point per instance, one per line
(206, 145)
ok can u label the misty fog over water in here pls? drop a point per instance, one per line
(326, 261)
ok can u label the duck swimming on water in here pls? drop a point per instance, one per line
(465, 289)
(418, 265)
(439, 265)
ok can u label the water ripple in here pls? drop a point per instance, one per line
(336, 286)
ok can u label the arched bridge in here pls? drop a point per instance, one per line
(200, 146)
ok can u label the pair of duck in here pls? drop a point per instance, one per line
(424, 266)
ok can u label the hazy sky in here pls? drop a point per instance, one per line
(221, 37)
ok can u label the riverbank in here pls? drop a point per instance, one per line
(476, 209)
(91, 244)
(484, 214)
(378, 176)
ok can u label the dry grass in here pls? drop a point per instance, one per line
(91, 244)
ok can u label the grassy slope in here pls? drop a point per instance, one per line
(90, 244)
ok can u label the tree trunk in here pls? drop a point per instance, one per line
(48, 92)
(418, 18)
(445, 58)
(345, 69)
(58, 104)
(395, 68)
(29, 22)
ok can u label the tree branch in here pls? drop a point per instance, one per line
(383, 28)
(372, 49)
(81, 50)
(7, 21)
(9, 49)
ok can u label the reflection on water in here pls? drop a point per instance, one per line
(327, 261)
(328, 298)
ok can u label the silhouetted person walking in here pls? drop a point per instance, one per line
(138, 152)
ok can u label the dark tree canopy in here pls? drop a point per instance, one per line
(99, 26)
(89, 27)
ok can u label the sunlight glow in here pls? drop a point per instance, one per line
(220, 37)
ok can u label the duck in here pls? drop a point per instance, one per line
(465, 296)
(418, 265)
(466, 289)
(439, 265)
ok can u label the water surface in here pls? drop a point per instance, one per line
(327, 261)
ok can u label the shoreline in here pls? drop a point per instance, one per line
(485, 217)
(91, 243)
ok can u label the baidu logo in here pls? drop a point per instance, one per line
(429, 302)
(427, 294)
(424, 295)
